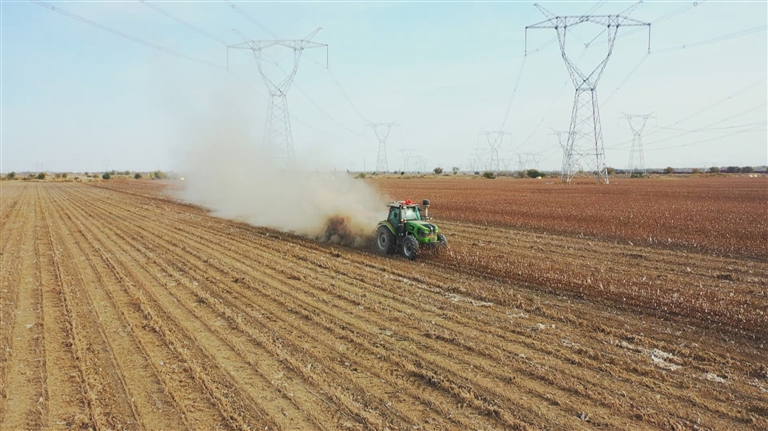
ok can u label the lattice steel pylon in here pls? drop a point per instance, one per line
(407, 154)
(495, 138)
(636, 164)
(563, 145)
(585, 135)
(277, 126)
(381, 159)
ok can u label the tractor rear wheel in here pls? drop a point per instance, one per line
(385, 240)
(410, 247)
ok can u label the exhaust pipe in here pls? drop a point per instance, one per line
(426, 208)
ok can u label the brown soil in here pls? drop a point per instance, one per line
(123, 309)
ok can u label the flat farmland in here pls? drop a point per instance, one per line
(726, 215)
(122, 308)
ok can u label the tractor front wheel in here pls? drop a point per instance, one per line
(442, 241)
(385, 240)
(410, 247)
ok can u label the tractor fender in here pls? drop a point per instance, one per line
(388, 224)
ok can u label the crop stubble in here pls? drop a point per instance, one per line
(152, 314)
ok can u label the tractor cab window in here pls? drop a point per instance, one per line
(394, 215)
(412, 214)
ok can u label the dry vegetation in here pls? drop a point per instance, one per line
(122, 308)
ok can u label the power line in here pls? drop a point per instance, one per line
(124, 35)
(344, 93)
(514, 91)
(753, 129)
(747, 111)
(667, 16)
(716, 129)
(333, 77)
(551, 107)
(260, 25)
(624, 81)
(177, 19)
(701, 111)
(716, 39)
(251, 19)
(293, 116)
(742, 113)
(165, 50)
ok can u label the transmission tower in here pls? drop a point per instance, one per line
(381, 130)
(562, 140)
(636, 160)
(495, 139)
(407, 155)
(585, 136)
(277, 127)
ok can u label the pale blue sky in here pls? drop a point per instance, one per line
(74, 95)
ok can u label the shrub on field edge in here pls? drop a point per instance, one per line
(11, 175)
(714, 170)
(438, 170)
(137, 176)
(106, 176)
(41, 176)
(489, 174)
(533, 173)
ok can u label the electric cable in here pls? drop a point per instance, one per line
(514, 91)
(251, 19)
(177, 19)
(714, 40)
(747, 111)
(753, 129)
(124, 35)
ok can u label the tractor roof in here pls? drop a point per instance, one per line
(405, 203)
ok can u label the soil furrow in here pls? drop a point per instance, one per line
(242, 414)
(25, 403)
(360, 365)
(651, 387)
(67, 404)
(111, 405)
(286, 276)
(15, 233)
(150, 403)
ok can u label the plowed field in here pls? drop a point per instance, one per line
(121, 308)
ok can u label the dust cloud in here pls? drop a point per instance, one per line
(230, 172)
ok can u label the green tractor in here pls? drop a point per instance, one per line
(407, 231)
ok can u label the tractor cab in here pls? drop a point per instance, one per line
(406, 228)
(403, 211)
